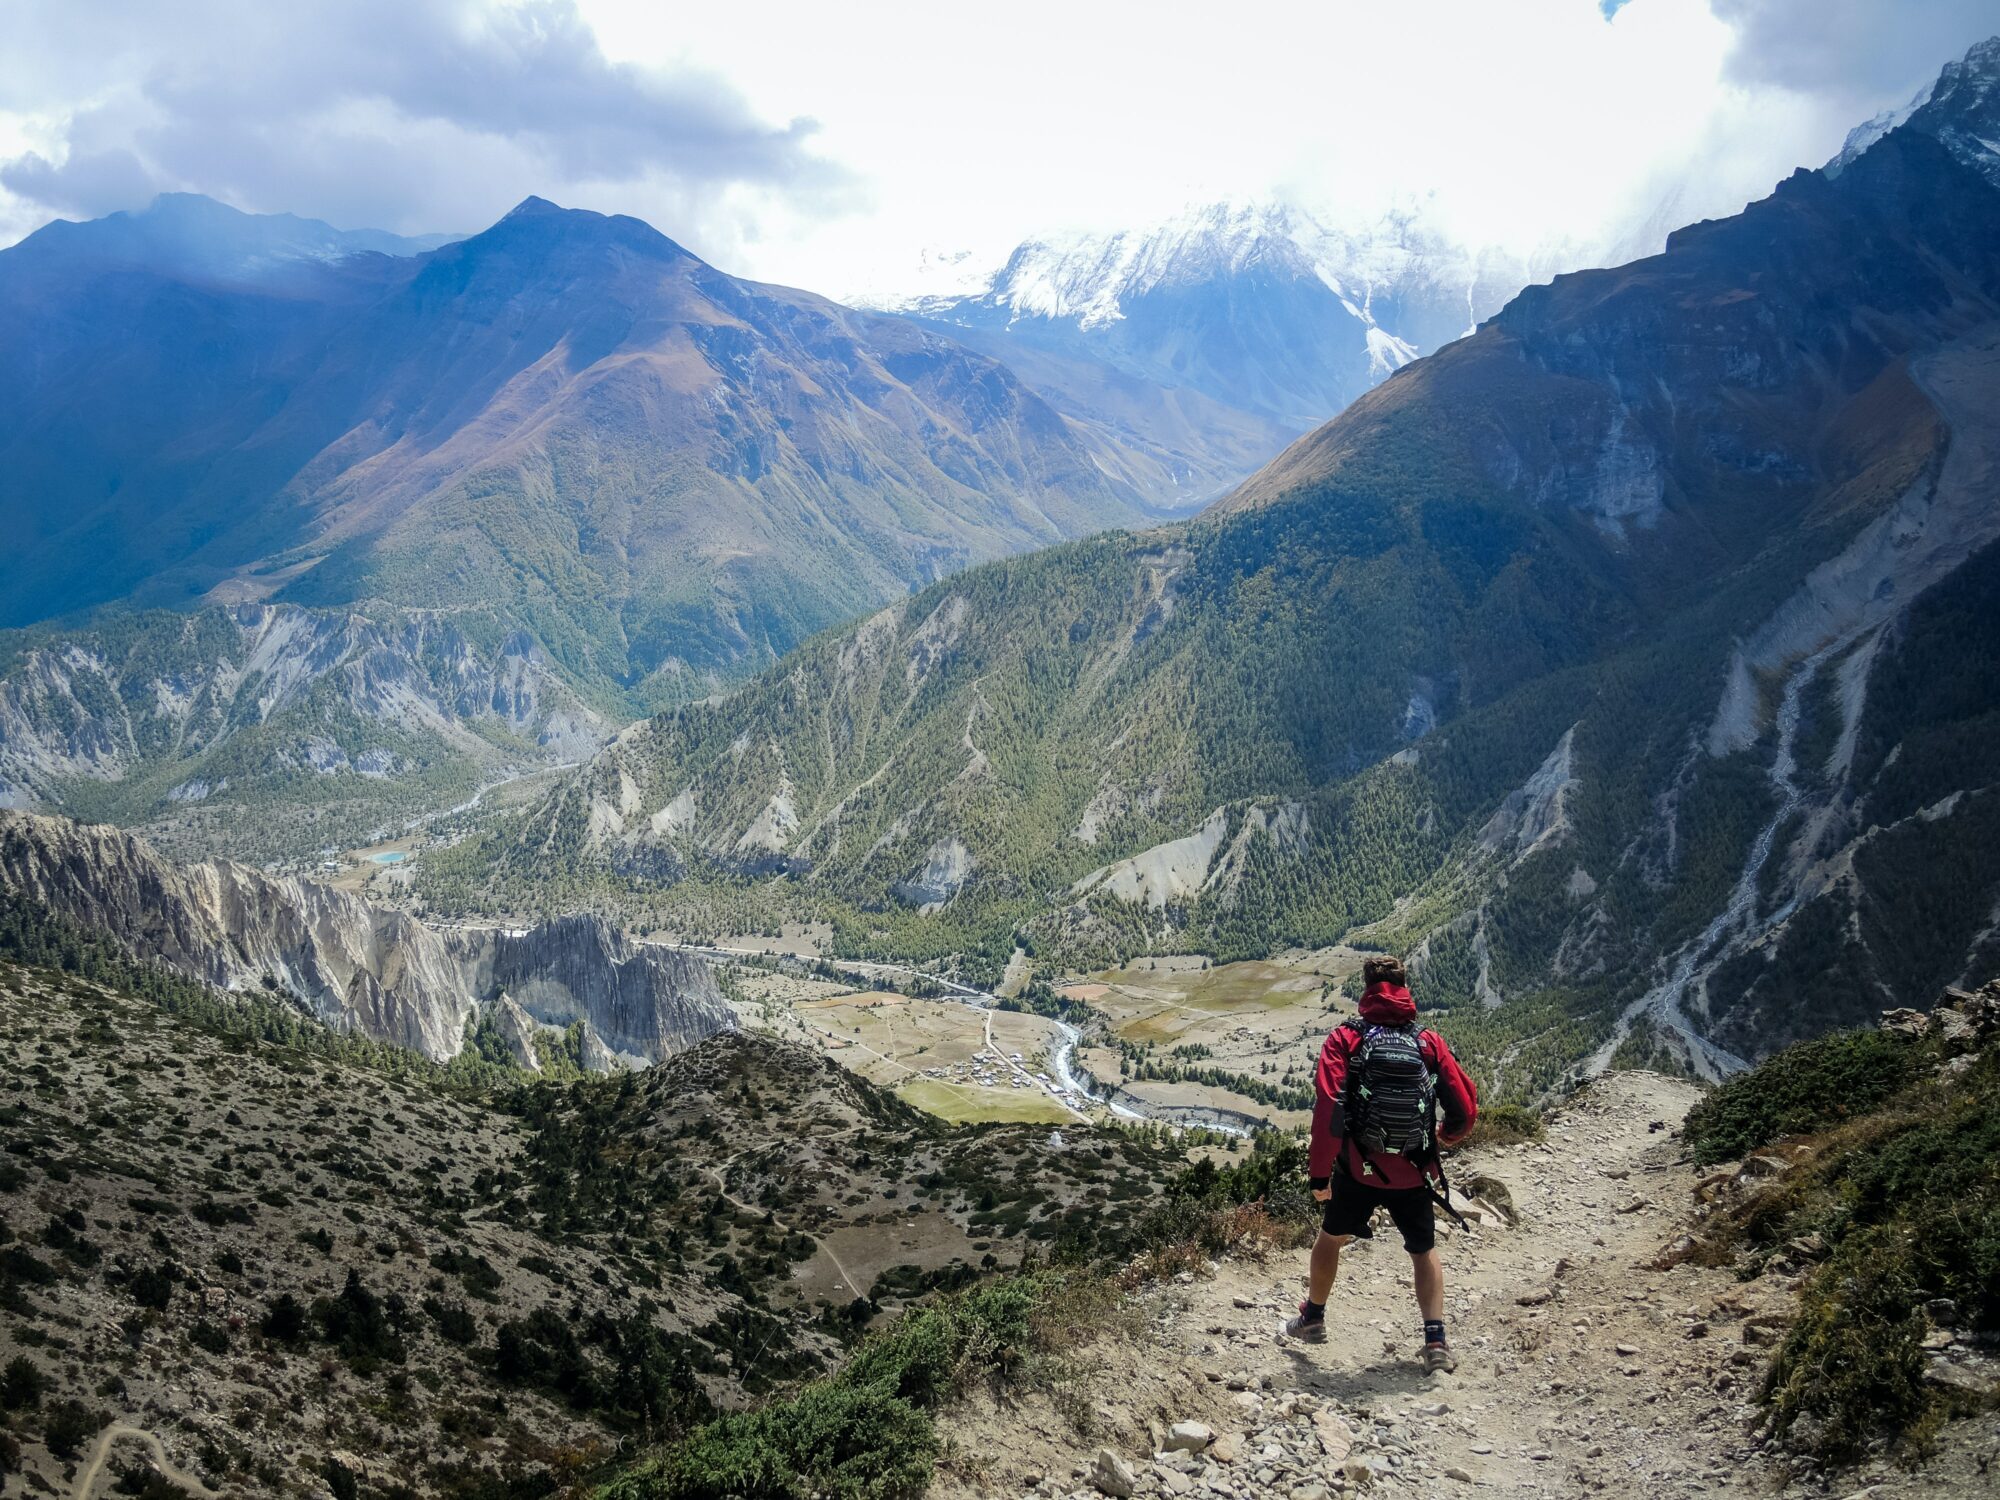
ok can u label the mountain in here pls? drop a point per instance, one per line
(367, 969)
(326, 727)
(1961, 108)
(1214, 337)
(566, 419)
(194, 238)
(1620, 661)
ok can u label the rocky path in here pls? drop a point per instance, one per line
(86, 1480)
(1582, 1370)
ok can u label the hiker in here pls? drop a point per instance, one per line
(1382, 1084)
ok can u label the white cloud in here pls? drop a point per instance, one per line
(827, 145)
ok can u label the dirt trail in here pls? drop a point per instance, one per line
(1582, 1371)
(87, 1476)
(720, 1172)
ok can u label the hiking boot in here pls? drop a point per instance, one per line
(1307, 1330)
(1438, 1358)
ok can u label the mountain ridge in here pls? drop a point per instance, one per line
(566, 414)
(1521, 572)
(367, 969)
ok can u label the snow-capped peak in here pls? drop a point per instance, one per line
(1961, 108)
(1088, 277)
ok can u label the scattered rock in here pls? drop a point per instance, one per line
(1189, 1437)
(1112, 1475)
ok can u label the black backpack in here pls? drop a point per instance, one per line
(1391, 1092)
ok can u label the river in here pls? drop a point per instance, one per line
(1069, 1083)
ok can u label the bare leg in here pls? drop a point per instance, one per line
(1428, 1272)
(1325, 1264)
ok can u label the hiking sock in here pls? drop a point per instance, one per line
(1313, 1311)
(1433, 1330)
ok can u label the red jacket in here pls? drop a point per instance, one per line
(1458, 1100)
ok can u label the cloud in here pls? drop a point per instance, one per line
(403, 114)
(1855, 54)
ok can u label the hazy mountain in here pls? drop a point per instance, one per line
(567, 418)
(1243, 325)
(194, 237)
(1616, 658)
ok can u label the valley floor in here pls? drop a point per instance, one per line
(1582, 1370)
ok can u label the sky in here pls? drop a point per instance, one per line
(832, 146)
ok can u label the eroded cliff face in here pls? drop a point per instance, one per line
(642, 1003)
(362, 967)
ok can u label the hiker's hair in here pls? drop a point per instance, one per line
(1386, 969)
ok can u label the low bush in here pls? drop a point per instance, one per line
(1905, 1200)
(1806, 1088)
(1505, 1125)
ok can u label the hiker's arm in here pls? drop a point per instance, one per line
(1329, 1125)
(1457, 1096)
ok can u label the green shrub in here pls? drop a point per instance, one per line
(1907, 1197)
(1505, 1125)
(842, 1441)
(21, 1383)
(864, 1434)
(1809, 1087)
(924, 1358)
(1853, 1364)
(70, 1425)
(285, 1320)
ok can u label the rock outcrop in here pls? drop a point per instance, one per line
(639, 1003)
(361, 967)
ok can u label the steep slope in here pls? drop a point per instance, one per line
(287, 1272)
(1210, 339)
(362, 968)
(567, 417)
(1509, 665)
(1595, 1354)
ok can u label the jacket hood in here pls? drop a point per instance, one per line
(1388, 1005)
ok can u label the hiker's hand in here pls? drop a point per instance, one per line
(1321, 1191)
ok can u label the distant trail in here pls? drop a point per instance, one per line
(86, 1479)
(721, 1175)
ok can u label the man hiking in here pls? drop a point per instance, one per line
(1382, 1084)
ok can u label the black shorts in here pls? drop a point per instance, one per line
(1354, 1203)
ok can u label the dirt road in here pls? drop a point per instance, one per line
(87, 1477)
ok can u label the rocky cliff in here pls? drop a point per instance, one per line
(361, 967)
(642, 1003)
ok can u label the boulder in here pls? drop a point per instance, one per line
(1112, 1475)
